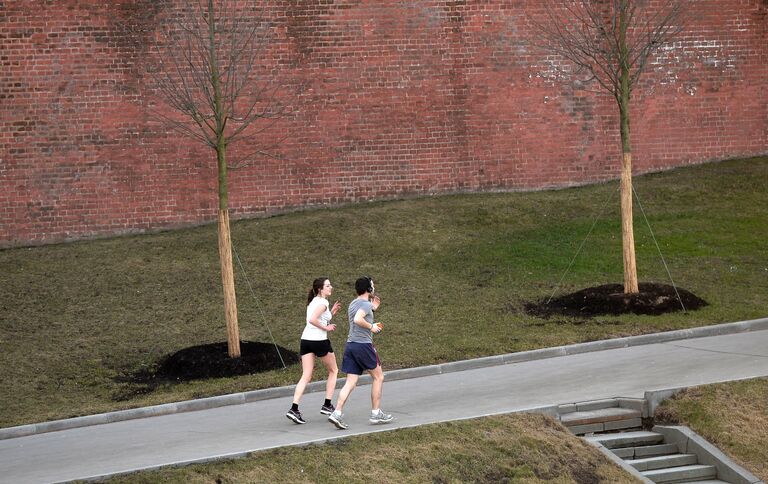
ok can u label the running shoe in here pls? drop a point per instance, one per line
(380, 418)
(295, 415)
(336, 419)
(327, 409)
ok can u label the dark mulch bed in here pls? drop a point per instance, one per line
(206, 361)
(653, 299)
(212, 361)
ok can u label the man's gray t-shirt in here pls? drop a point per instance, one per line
(356, 333)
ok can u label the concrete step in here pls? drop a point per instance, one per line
(599, 415)
(634, 423)
(663, 461)
(646, 451)
(606, 415)
(628, 439)
(682, 474)
(602, 420)
(587, 406)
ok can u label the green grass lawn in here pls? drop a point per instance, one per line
(454, 273)
(521, 448)
(733, 416)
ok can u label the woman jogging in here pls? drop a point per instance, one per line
(315, 344)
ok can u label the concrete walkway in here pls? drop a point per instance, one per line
(584, 372)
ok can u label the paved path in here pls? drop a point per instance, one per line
(235, 430)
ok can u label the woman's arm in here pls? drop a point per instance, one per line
(314, 318)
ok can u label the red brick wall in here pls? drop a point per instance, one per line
(405, 98)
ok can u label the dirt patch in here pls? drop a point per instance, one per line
(212, 361)
(653, 299)
(206, 361)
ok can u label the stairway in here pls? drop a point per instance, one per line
(663, 456)
(657, 460)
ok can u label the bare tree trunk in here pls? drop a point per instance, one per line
(228, 282)
(225, 256)
(627, 230)
(225, 240)
(627, 222)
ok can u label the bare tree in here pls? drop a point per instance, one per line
(611, 42)
(208, 68)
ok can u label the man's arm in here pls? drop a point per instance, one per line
(360, 321)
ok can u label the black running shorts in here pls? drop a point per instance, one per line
(319, 348)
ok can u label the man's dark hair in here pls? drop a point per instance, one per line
(363, 285)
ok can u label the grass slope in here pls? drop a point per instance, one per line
(521, 448)
(453, 271)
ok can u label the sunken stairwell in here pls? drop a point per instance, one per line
(664, 454)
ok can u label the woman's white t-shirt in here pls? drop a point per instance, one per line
(312, 332)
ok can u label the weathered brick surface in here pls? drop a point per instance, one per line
(405, 98)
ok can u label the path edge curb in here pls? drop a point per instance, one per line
(287, 391)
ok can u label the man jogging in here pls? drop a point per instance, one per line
(360, 354)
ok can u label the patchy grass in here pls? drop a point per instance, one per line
(454, 273)
(733, 416)
(524, 448)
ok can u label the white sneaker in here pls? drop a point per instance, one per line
(336, 419)
(380, 418)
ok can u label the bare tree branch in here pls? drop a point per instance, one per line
(189, 70)
(587, 34)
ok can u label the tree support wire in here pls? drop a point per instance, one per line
(253, 294)
(653, 236)
(599, 214)
(639, 204)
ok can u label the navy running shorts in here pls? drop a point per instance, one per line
(359, 357)
(319, 348)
